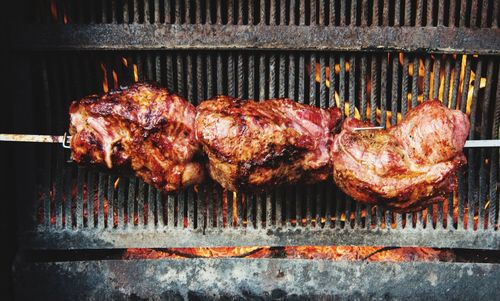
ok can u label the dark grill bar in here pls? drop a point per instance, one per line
(274, 12)
(154, 36)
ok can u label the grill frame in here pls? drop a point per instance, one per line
(67, 60)
(48, 84)
(269, 279)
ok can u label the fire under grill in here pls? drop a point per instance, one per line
(373, 59)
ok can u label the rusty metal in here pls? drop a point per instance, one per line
(276, 279)
(163, 36)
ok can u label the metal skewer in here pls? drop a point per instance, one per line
(65, 140)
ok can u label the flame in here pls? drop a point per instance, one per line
(421, 78)
(115, 185)
(336, 94)
(136, 74)
(115, 80)
(105, 86)
(53, 10)
(125, 62)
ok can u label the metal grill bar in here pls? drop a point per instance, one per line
(191, 36)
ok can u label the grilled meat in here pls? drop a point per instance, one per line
(142, 127)
(406, 167)
(254, 145)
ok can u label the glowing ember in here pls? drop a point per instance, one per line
(220, 252)
(302, 252)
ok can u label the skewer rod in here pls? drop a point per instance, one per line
(31, 138)
(65, 139)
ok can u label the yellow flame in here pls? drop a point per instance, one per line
(116, 183)
(136, 74)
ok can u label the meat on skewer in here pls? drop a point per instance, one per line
(256, 145)
(142, 127)
(406, 167)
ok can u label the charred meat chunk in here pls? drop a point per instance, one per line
(141, 127)
(406, 167)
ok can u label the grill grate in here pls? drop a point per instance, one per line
(84, 208)
(452, 13)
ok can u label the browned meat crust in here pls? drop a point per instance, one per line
(406, 167)
(255, 145)
(142, 127)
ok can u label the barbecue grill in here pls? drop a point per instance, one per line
(372, 59)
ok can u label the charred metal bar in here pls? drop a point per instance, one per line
(279, 200)
(374, 89)
(383, 91)
(473, 13)
(437, 77)
(140, 203)
(456, 81)
(164, 36)
(495, 132)
(258, 211)
(427, 78)
(262, 77)
(110, 200)
(121, 202)
(209, 84)
(298, 205)
(282, 75)
(90, 199)
(272, 76)
(58, 191)
(301, 89)
(343, 12)
(364, 91)
(322, 82)
(395, 98)
(473, 197)
(100, 200)
(132, 188)
(332, 77)
(310, 193)
(269, 211)
(352, 85)
(342, 81)
(430, 13)
(79, 197)
(485, 124)
(312, 79)
(404, 86)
